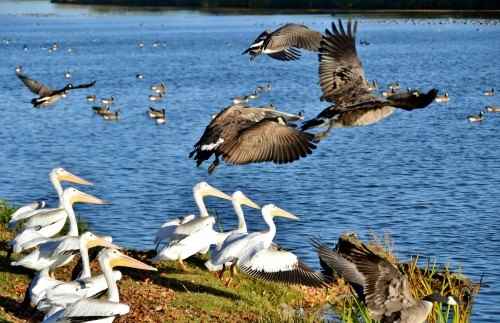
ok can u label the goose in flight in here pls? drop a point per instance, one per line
(343, 83)
(284, 43)
(46, 95)
(243, 135)
(383, 287)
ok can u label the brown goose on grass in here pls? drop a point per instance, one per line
(383, 288)
(343, 83)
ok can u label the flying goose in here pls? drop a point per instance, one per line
(385, 289)
(343, 83)
(46, 95)
(243, 135)
(284, 43)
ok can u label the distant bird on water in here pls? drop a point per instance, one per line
(443, 98)
(46, 95)
(476, 117)
(284, 43)
(489, 92)
(384, 289)
(343, 83)
(242, 135)
(157, 114)
(159, 88)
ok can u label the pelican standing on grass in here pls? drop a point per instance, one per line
(43, 284)
(386, 291)
(181, 227)
(343, 83)
(256, 256)
(59, 251)
(200, 240)
(97, 309)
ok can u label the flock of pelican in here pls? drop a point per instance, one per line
(254, 253)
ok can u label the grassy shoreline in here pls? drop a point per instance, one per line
(171, 295)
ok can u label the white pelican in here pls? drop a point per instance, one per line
(181, 227)
(256, 255)
(57, 175)
(43, 283)
(97, 309)
(57, 251)
(201, 239)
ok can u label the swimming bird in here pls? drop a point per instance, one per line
(157, 97)
(343, 83)
(394, 86)
(181, 227)
(91, 98)
(53, 252)
(284, 43)
(385, 289)
(491, 108)
(255, 255)
(46, 95)
(243, 135)
(263, 88)
(205, 236)
(107, 101)
(67, 75)
(88, 309)
(373, 85)
(476, 117)
(157, 114)
(111, 115)
(48, 290)
(442, 98)
(159, 88)
(489, 92)
(101, 110)
(139, 76)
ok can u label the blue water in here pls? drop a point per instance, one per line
(427, 178)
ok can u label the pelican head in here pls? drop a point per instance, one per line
(242, 199)
(205, 189)
(91, 240)
(115, 258)
(64, 176)
(72, 195)
(273, 211)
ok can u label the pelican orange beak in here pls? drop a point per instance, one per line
(244, 200)
(87, 198)
(284, 214)
(101, 242)
(69, 177)
(125, 261)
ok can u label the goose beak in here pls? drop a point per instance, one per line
(126, 261)
(69, 177)
(87, 198)
(246, 51)
(102, 242)
(284, 214)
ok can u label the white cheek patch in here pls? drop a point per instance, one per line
(213, 145)
(257, 45)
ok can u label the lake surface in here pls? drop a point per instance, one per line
(428, 178)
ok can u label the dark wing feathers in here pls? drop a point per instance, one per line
(294, 35)
(301, 275)
(341, 74)
(34, 86)
(268, 141)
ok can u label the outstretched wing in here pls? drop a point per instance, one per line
(34, 86)
(341, 74)
(295, 35)
(268, 140)
(81, 86)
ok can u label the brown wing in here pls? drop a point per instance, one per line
(34, 86)
(268, 140)
(294, 35)
(341, 74)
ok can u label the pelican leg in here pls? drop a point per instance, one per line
(214, 165)
(9, 252)
(221, 272)
(183, 265)
(233, 272)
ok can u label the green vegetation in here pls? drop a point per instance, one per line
(307, 4)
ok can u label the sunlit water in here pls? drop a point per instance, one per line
(428, 178)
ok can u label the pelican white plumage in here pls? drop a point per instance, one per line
(97, 309)
(43, 284)
(256, 255)
(201, 239)
(57, 251)
(183, 226)
(57, 175)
